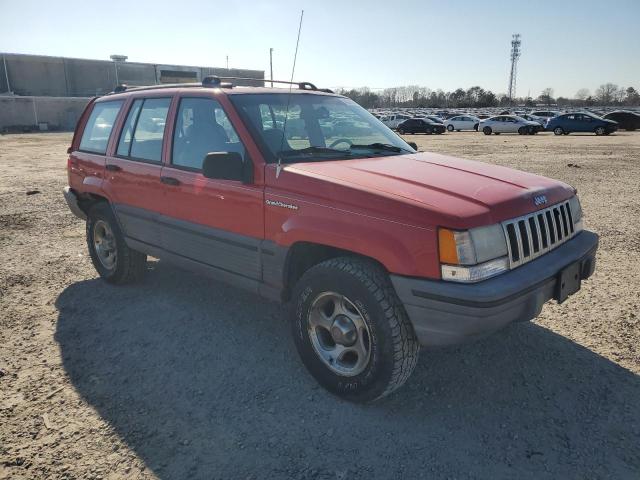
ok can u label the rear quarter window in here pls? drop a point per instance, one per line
(99, 126)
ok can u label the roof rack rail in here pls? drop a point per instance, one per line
(213, 81)
(126, 88)
(301, 85)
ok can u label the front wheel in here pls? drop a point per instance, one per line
(558, 131)
(450, 128)
(401, 131)
(110, 255)
(600, 131)
(351, 331)
(486, 130)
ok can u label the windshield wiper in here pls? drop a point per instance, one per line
(387, 147)
(320, 150)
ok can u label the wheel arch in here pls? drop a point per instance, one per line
(303, 255)
(87, 200)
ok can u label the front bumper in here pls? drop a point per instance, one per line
(446, 313)
(72, 202)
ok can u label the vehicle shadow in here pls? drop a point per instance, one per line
(202, 380)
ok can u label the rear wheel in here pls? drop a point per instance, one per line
(110, 255)
(522, 131)
(558, 131)
(401, 131)
(600, 131)
(450, 128)
(486, 130)
(351, 330)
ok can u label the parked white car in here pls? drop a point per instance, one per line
(509, 124)
(392, 121)
(534, 118)
(462, 122)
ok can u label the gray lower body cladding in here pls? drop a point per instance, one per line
(445, 313)
(72, 201)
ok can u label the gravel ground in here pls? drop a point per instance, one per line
(180, 377)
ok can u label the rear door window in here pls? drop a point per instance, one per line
(124, 145)
(99, 126)
(149, 132)
(146, 119)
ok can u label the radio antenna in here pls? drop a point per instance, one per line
(284, 125)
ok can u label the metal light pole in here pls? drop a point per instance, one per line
(271, 64)
(6, 73)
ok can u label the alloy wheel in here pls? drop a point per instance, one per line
(104, 242)
(339, 334)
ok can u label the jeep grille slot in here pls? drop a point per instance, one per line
(535, 234)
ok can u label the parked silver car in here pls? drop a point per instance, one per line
(509, 124)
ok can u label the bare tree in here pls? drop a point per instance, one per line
(632, 97)
(582, 94)
(606, 94)
(546, 96)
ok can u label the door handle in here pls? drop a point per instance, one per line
(113, 168)
(170, 180)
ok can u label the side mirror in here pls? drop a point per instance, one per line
(227, 166)
(413, 145)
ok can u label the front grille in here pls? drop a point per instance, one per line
(535, 234)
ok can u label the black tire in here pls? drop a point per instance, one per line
(450, 128)
(429, 131)
(497, 133)
(486, 130)
(558, 131)
(401, 131)
(600, 131)
(392, 342)
(475, 127)
(522, 131)
(130, 265)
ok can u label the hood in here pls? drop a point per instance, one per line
(446, 190)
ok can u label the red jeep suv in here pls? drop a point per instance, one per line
(302, 196)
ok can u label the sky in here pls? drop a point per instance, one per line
(566, 45)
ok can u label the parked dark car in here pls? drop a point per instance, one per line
(626, 120)
(420, 125)
(433, 118)
(580, 122)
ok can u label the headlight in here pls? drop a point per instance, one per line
(576, 212)
(472, 255)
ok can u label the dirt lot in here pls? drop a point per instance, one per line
(180, 377)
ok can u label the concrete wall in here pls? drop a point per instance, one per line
(59, 113)
(54, 90)
(39, 75)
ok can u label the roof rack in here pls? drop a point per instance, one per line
(213, 81)
(301, 85)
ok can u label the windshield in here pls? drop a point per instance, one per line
(316, 127)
